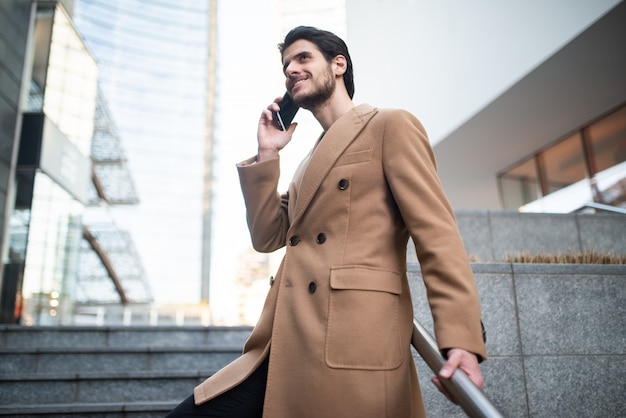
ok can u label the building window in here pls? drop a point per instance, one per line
(520, 184)
(562, 164)
(590, 164)
(607, 140)
(48, 233)
(67, 74)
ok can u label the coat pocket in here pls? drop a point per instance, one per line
(363, 330)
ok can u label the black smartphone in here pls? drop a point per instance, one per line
(288, 110)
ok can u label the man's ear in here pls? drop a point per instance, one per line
(340, 65)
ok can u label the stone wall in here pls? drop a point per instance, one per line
(491, 235)
(556, 339)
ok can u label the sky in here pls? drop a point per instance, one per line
(249, 79)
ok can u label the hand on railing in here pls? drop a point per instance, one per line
(457, 358)
(469, 397)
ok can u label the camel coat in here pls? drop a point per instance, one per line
(337, 320)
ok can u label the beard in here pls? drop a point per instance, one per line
(322, 91)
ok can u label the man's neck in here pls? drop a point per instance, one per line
(331, 110)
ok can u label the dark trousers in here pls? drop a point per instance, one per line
(242, 401)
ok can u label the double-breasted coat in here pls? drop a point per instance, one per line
(337, 320)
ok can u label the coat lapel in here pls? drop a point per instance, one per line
(330, 148)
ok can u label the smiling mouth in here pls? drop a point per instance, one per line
(298, 82)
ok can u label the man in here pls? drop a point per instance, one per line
(333, 339)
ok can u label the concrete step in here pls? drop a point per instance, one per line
(80, 336)
(66, 388)
(108, 371)
(154, 409)
(110, 360)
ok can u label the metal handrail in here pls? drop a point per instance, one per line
(469, 397)
(602, 206)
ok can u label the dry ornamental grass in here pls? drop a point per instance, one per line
(588, 257)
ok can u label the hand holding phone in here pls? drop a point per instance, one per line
(288, 110)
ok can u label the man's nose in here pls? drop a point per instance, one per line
(292, 70)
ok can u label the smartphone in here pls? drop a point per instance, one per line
(288, 110)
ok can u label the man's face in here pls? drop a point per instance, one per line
(309, 77)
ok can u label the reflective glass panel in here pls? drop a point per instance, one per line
(51, 254)
(563, 164)
(520, 185)
(71, 83)
(607, 138)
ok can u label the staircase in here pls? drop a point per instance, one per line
(108, 371)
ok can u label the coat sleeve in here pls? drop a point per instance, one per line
(410, 169)
(266, 209)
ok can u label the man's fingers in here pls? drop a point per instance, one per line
(450, 366)
(465, 361)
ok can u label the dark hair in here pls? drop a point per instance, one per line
(328, 43)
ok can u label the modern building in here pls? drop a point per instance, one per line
(63, 162)
(524, 101)
(156, 63)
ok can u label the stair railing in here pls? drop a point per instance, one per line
(469, 397)
(601, 207)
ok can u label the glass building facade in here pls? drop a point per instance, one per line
(154, 61)
(69, 164)
(53, 170)
(110, 88)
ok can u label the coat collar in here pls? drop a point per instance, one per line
(329, 149)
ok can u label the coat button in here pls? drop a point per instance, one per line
(271, 280)
(293, 241)
(321, 238)
(312, 287)
(343, 184)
